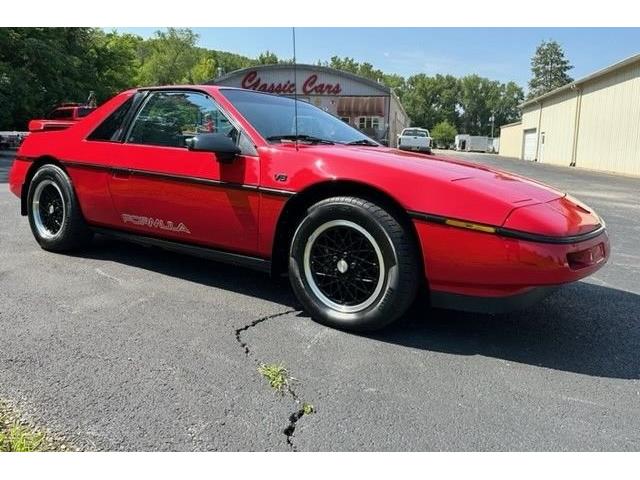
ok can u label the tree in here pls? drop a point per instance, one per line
(396, 82)
(549, 69)
(228, 62)
(444, 134)
(204, 70)
(481, 98)
(365, 69)
(506, 108)
(429, 100)
(267, 58)
(41, 67)
(168, 58)
(116, 63)
(345, 64)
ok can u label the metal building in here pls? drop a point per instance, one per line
(593, 122)
(367, 105)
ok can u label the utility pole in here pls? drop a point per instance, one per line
(492, 119)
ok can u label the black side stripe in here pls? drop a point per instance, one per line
(510, 233)
(181, 178)
(426, 217)
(26, 158)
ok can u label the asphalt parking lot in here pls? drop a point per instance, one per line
(122, 347)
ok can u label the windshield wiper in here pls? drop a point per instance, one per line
(301, 138)
(364, 141)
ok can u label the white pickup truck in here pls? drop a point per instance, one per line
(417, 139)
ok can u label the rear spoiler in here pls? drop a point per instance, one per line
(48, 125)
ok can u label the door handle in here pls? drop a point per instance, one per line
(120, 173)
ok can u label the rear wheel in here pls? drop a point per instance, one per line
(353, 265)
(54, 213)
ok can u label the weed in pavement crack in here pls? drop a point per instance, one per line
(305, 408)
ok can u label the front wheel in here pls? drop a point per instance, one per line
(353, 265)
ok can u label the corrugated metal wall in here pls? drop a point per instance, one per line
(557, 125)
(511, 140)
(530, 117)
(398, 121)
(609, 128)
(608, 133)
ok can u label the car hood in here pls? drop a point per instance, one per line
(470, 176)
(461, 190)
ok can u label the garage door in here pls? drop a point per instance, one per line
(530, 143)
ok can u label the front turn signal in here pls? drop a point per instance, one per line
(470, 226)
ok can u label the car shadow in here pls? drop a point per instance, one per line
(582, 328)
(190, 268)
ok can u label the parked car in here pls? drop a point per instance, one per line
(416, 139)
(359, 228)
(61, 117)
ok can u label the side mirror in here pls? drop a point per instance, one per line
(218, 143)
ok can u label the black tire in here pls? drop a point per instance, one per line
(58, 224)
(334, 292)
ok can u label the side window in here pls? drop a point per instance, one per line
(111, 128)
(246, 145)
(169, 118)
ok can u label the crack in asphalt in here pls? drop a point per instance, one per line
(299, 413)
(291, 428)
(293, 418)
(239, 331)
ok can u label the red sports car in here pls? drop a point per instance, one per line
(259, 180)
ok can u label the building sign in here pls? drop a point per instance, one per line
(358, 101)
(310, 86)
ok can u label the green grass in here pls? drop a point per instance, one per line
(15, 437)
(308, 409)
(280, 380)
(276, 375)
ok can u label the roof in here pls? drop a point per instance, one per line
(319, 68)
(611, 68)
(512, 124)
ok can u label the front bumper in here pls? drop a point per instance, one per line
(414, 148)
(469, 263)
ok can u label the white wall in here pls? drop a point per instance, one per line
(557, 123)
(511, 140)
(609, 128)
(608, 133)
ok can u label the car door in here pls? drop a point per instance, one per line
(162, 189)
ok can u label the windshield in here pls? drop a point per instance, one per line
(274, 118)
(415, 133)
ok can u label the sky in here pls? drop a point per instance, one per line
(502, 54)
